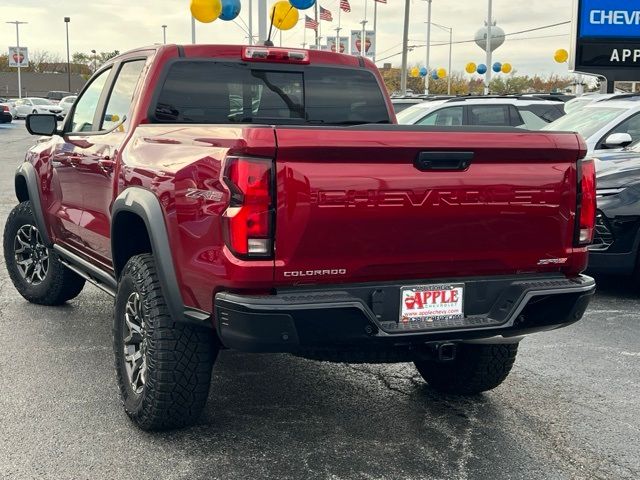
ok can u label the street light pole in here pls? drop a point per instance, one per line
(164, 34)
(95, 61)
(250, 22)
(450, 29)
(66, 23)
(488, 74)
(17, 24)
(405, 42)
(428, 59)
(450, 53)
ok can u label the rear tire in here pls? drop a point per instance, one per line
(35, 270)
(163, 367)
(476, 369)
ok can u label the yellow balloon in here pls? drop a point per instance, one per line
(561, 56)
(284, 16)
(442, 73)
(471, 67)
(506, 68)
(415, 72)
(206, 11)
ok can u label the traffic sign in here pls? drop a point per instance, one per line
(18, 58)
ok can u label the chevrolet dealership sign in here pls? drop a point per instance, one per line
(606, 38)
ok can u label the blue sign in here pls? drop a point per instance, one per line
(609, 18)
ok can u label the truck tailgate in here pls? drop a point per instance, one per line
(353, 206)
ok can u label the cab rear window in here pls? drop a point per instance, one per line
(226, 92)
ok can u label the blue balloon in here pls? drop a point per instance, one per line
(230, 10)
(497, 67)
(302, 4)
(423, 71)
(482, 69)
(434, 75)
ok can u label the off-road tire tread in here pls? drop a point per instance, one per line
(63, 284)
(180, 358)
(476, 369)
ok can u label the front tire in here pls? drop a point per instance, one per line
(163, 367)
(476, 369)
(36, 270)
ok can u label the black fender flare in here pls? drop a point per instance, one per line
(27, 172)
(145, 204)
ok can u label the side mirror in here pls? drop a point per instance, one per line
(618, 140)
(41, 124)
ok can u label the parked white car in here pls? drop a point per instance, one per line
(606, 125)
(27, 106)
(66, 103)
(499, 111)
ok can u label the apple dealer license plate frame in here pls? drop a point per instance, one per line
(425, 304)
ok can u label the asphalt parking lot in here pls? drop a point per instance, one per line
(569, 410)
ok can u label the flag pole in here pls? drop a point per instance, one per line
(375, 28)
(304, 34)
(316, 30)
(363, 38)
(338, 30)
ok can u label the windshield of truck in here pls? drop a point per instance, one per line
(226, 92)
(586, 121)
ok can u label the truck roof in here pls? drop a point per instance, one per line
(235, 52)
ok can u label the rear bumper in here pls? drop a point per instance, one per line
(365, 316)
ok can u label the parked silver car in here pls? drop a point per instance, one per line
(27, 106)
(66, 103)
(605, 125)
(496, 111)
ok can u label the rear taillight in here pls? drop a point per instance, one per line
(586, 211)
(4, 108)
(249, 217)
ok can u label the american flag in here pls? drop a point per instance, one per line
(344, 6)
(310, 23)
(325, 15)
(381, 1)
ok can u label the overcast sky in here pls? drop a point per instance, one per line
(106, 25)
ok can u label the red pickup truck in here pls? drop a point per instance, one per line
(262, 199)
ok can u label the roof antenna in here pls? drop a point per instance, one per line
(268, 42)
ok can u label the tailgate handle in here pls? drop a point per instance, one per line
(443, 161)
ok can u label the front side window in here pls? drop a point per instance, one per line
(122, 94)
(446, 117)
(221, 92)
(86, 106)
(631, 126)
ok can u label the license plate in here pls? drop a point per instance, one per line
(426, 303)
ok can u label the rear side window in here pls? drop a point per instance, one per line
(220, 92)
(489, 115)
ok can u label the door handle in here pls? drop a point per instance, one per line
(107, 164)
(434, 161)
